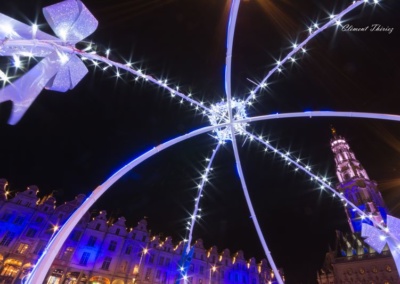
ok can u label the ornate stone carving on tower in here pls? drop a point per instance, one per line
(355, 184)
(352, 260)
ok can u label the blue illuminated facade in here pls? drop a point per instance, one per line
(101, 251)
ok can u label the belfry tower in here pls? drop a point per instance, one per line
(355, 185)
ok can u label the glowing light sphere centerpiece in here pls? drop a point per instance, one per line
(220, 115)
(62, 68)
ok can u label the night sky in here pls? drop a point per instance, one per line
(70, 143)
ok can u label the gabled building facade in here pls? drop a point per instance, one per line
(101, 251)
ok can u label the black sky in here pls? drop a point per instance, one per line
(70, 143)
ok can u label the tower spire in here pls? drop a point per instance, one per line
(355, 185)
(333, 130)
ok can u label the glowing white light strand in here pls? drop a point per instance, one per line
(199, 194)
(301, 45)
(252, 211)
(44, 263)
(21, 46)
(139, 74)
(234, 130)
(319, 180)
(229, 43)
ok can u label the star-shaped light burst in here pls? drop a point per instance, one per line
(378, 238)
(62, 68)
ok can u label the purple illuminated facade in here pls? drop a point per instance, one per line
(352, 260)
(356, 186)
(101, 251)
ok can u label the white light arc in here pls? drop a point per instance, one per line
(44, 263)
(199, 194)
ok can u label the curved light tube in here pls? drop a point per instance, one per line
(44, 263)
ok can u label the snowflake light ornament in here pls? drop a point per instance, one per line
(220, 114)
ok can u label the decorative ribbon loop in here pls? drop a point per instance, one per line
(377, 239)
(69, 75)
(24, 91)
(58, 71)
(70, 20)
(374, 237)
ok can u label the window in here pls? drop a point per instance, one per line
(106, 263)
(112, 246)
(201, 269)
(31, 233)
(117, 231)
(148, 274)
(164, 278)
(84, 258)
(143, 238)
(92, 241)
(67, 253)
(158, 274)
(161, 260)
(76, 235)
(39, 220)
(40, 247)
(6, 217)
(167, 262)
(151, 258)
(128, 250)
(22, 248)
(98, 226)
(19, 220)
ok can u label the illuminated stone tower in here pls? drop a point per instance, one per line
(355, 185)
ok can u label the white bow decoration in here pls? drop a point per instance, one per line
(377, 238)
(60, 70)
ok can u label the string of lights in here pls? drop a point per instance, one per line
(227, 118)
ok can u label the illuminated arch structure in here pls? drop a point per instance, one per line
(228, 118)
